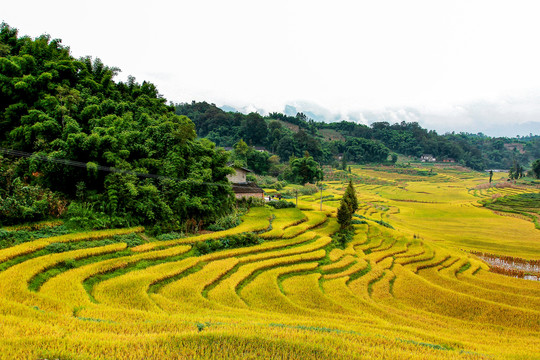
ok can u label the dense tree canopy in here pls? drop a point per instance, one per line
(290, 136)
(53, 105)
(536, 168)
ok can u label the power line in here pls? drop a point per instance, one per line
(79, 164)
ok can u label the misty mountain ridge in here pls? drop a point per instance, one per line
(481, 117)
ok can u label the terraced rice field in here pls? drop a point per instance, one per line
(406, 286)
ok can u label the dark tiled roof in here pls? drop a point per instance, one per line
(238, 167)
(250, 187)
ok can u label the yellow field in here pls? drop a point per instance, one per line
(407, 290)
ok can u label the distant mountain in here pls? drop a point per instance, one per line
(244, 109)
(486, 118)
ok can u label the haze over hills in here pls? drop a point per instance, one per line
(489, 118)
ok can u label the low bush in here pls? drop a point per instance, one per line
(11, 238)
(226, 222)
(383, 223)
(281, 204)
(171, 236)
(248, 203)
(308, 189)
(358, 222)
(342, 237)
(228, 242)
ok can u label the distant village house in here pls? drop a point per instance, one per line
(243, 188)
(427, 158)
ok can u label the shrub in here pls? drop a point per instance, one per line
(248, 203)
(383, 223)
(308, 189)
(226, 222)
(171, 236)
(57, 247)
(281, 204)
(342, 237)
(131, 240)
(358, 222)
(228, 242)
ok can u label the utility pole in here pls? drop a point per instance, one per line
(296, 191)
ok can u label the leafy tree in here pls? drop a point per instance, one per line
(240, 154)
(286, 147)
(344, 215)
(306, 170)
(254, 129)
(536, 168)
(350, 197)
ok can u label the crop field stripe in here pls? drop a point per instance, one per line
(225, 292)
(250, 224)
(71, 282)
(525, 302)
(25, 248)
(14, 281)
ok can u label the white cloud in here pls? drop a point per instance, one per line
(346, 56)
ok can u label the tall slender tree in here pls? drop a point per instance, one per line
(344, 215)
(347, 207)
(350, 197)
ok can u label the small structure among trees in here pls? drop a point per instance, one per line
(243, 188)
(427, 158)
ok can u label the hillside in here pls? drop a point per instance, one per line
(114, 151)
(292, 135)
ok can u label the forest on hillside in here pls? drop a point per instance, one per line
(105, 153)
(288, 136)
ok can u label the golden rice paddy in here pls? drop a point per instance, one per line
(406, 287)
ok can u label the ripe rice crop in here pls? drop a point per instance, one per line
(413, 292)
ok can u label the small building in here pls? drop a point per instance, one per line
(427, 158)
(243, 188)
(247, 190)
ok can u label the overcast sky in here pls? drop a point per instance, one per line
(450, 65)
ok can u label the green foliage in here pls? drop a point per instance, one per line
(347, 208)
(344, 215)
(171, 236)
(247, 203)
(383, 223)
(281, 204)
(308, 189)
(358, 143)
(536, 168)
(226, 222)
(305, 169)
(59, 107)
(342, 237)
(350, 197)
(228, 242)
(363, 150)
(358, 222)
(22, 202)
(12, 238)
